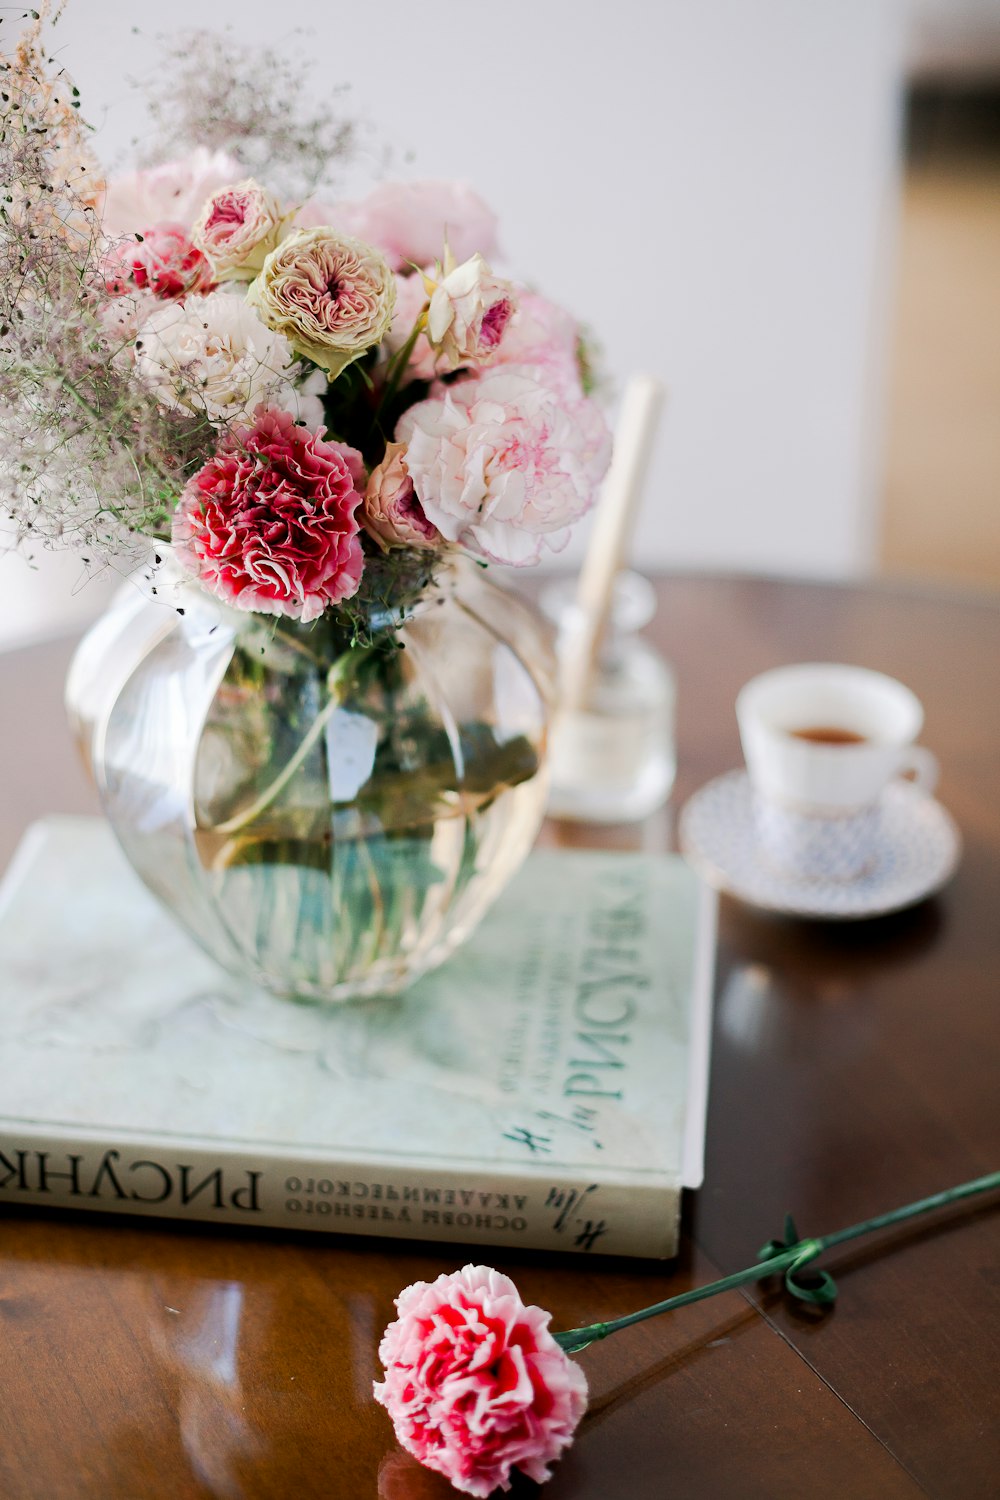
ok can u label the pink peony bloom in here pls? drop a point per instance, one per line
(163, 261)
(237, 229)
(408, 221)
(475, 1383)
(502, 463)
(542, 334)
(469, 313)
(175, 191)
(269, 523)
(391, 512)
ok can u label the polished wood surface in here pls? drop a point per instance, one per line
(855, 1067)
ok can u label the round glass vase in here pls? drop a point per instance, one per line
(327, 819)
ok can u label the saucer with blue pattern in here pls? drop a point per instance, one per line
(917, 850)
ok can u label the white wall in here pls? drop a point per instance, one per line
(711, 184)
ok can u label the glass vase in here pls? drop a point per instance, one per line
(329, 814)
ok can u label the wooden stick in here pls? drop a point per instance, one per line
(616, 513)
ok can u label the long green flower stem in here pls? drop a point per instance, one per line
(339, 677)
(785, 1257)
(396, 367)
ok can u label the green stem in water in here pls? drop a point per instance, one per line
(783, 1257)
(337, 682)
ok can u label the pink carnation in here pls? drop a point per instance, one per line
(475, 1383)
(162, 261)
(269, 523)
(408, 222)
(544, 335)
(502, 463)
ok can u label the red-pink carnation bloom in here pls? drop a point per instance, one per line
(163, 261)
(475, 1383)
(269, 523)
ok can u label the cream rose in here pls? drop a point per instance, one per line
(331, 296)
(391, 512)
(469, 311)
(237, 229)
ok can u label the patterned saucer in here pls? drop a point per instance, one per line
(917, 851)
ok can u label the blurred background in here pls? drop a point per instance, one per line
(788, 212)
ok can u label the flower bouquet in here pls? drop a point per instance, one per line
(307, 428)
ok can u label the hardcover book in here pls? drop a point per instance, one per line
(546, 1087)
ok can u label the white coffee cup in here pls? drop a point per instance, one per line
(821, 742)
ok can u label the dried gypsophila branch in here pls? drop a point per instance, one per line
(222, 95)
(72, 416)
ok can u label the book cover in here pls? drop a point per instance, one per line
(546, 1087)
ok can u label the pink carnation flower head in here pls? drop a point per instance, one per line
(409, 222)
(162, 261)
(542, 334)
(269, 523)
(475, 1383)
(502, 463)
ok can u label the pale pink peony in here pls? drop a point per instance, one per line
(175, 191)
(475, 1383)
(542, 334)
(502, 464)
(269, 523)
(469, 313)
(331, 296)
(162, 261)
(391, 512)
(409, 221)
(237, 228)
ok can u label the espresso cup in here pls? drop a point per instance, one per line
(821, 742)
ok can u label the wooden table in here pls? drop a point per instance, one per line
(855, 1068)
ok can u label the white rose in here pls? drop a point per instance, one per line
(213, 355)
(469, 311)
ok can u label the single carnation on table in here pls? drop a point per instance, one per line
(475, 1384)
(269, 524)
(410, 222)
(330, 295)
(502, 464)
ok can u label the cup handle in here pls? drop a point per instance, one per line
(920, 766)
